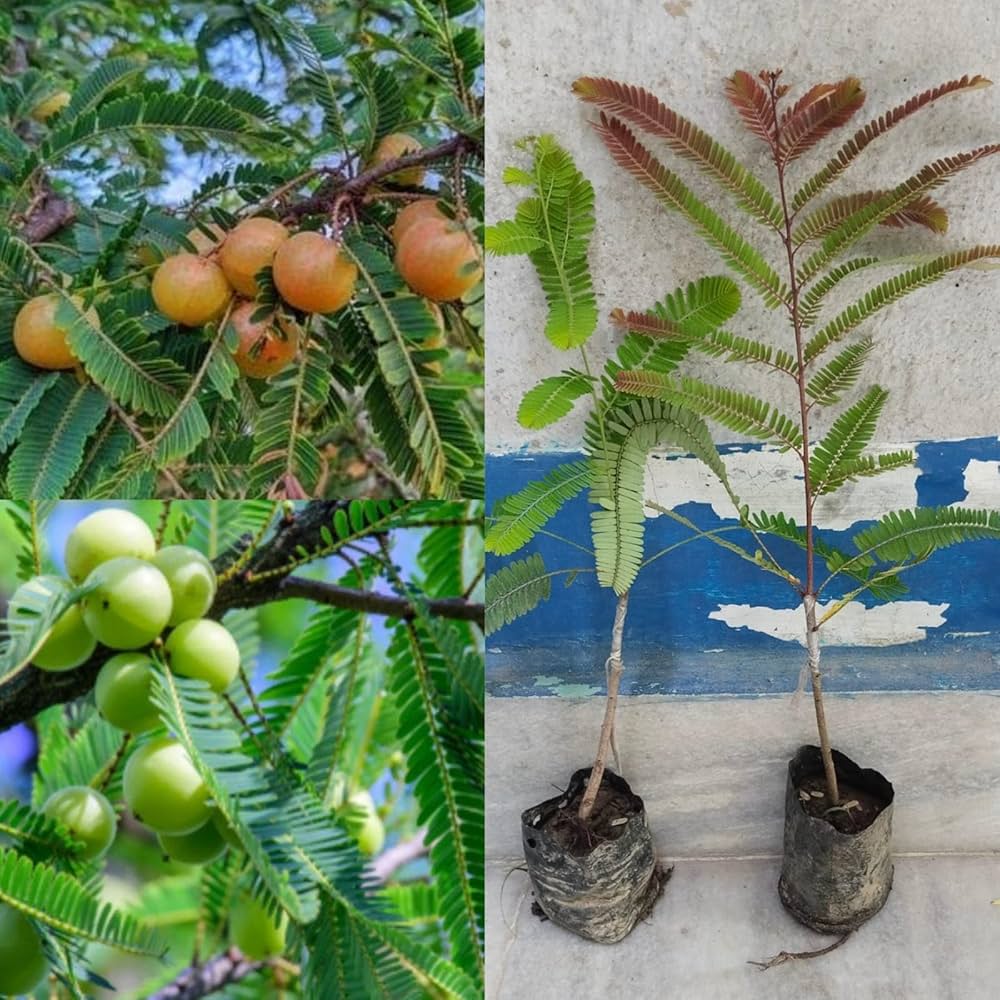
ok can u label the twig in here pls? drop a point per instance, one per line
(46, 215)
(455, 608)
(213, 975)
(103, 779)
(161, 525)
(192, 389)
(357, 186)
(231, 966)
(254, 543)
(36, 549)
(395, 857)
(245, 726)
(788, 956)
(472, 585)
(145, 445)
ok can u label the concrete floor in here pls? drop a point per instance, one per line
(712, 770)
(938, 938)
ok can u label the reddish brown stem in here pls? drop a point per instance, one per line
(809, 590)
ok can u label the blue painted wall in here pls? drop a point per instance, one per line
(673, 647)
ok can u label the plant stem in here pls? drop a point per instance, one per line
(615, 667)
(812, 644)
(809, 590)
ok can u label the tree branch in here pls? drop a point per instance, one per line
(321, 592)
(200, 980)
(357, 186)
(48, 213)
(28, 691)
(393, 858)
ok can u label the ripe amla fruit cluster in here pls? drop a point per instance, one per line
(308, 269)
(135, 594)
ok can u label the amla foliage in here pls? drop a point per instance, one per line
(347, 705)
(377, 400)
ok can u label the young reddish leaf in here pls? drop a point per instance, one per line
(670, 190)
(647, 323)
(858, 225)
(810, 97)
(876, 127)
(922, 211)
(822, 109)
(686, 139)
(753, 103)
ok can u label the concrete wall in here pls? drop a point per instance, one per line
(703, 625)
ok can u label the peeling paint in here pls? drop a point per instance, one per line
(982, 484)
(855, 625)
(676, 645)
(556, 686)
(768, 479)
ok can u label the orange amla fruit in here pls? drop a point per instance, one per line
(393, 146)
(274, 352)
(40, 339)
(190, 290)
(248, 248)
(438, 259)
(150, 254)
(416, 211)
(312, 274)
(202, 242)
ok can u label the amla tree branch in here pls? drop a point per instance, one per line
(200, 980)
(28, 691)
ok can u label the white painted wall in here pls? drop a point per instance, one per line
(937, 354)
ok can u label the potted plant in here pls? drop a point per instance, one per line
(837, 869)
(589, 851)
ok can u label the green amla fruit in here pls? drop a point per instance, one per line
(69, 642)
